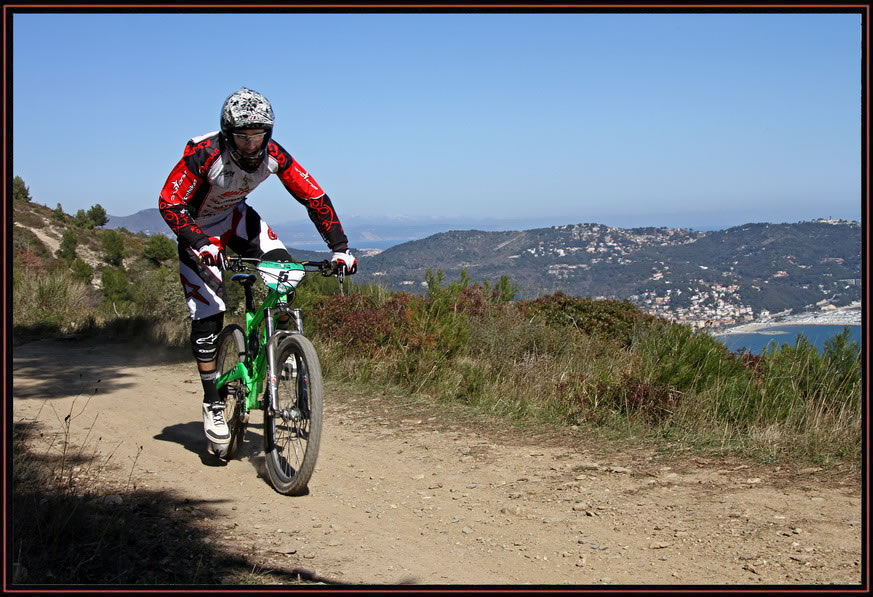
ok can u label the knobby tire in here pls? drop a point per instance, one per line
(292, 435)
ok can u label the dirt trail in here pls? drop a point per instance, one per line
(407, 497)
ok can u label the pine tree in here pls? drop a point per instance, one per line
(98, 215)
(20, 191)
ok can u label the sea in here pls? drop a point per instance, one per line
(755, 343)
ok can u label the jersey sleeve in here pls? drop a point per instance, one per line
(174, 201)
(308, 193)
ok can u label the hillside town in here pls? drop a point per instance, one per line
(716, 305)
(727, 312)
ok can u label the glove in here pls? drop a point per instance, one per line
(209, 254)
(347, 259)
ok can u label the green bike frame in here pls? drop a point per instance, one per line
(258, 344)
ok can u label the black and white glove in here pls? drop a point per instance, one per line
(346, 259)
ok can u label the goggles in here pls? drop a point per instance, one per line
(256, 138)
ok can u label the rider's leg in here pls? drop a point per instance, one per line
(206, 299)
(204, 344)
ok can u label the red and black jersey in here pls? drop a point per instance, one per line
(206, 183)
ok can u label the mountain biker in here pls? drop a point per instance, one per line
(204, 203)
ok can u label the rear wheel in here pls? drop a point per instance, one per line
(231, 350)
(292, 434)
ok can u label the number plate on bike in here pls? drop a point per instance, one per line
(281, 276)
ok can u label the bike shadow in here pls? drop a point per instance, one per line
(252, 450)
(190, 436)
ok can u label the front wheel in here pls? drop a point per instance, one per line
(292, 433)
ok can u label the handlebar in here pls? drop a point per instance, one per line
(324, 267)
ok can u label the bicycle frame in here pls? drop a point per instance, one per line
(261, 340)
(253, 370)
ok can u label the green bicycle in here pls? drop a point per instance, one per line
(293, 400)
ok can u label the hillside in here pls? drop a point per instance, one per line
(730, 274)
(723, 277)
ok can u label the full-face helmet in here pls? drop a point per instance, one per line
(246, 109)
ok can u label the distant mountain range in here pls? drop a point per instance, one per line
(148, 221)
(720, 275)
(364, 232)
(677, 272)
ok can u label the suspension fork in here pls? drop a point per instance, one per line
(274, 337)
(272, 396)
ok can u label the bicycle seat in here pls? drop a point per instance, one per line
(244, 278)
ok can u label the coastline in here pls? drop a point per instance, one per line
(850, 316)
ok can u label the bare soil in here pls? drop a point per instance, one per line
(412, 493)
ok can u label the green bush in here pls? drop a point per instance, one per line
(609, 319)
(112, 244)
(844, 356)
(82, 272)
(158, 293)
(67, 248)
(82, 220)
(159, 248)
(118, 293)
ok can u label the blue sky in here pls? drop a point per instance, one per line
(694, 120)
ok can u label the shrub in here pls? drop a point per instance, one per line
(605, 318)
(117, 290)
(112, 244)
(353, 320)
(844, 356)
(82, 220)
(67, 249)
(82, 272)
(53, 299)
(159, 248)
(29, 252)
(158, 293)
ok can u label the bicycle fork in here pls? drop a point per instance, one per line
(272, 392)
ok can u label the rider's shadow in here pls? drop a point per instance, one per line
(190, 436)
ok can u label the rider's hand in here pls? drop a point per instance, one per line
(347, 259)
(209, 254)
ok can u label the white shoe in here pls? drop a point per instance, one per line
(214, 424)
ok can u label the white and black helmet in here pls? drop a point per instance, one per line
(246, 109)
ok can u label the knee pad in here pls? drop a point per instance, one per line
(204, 336)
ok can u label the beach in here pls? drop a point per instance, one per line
(849, 315)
